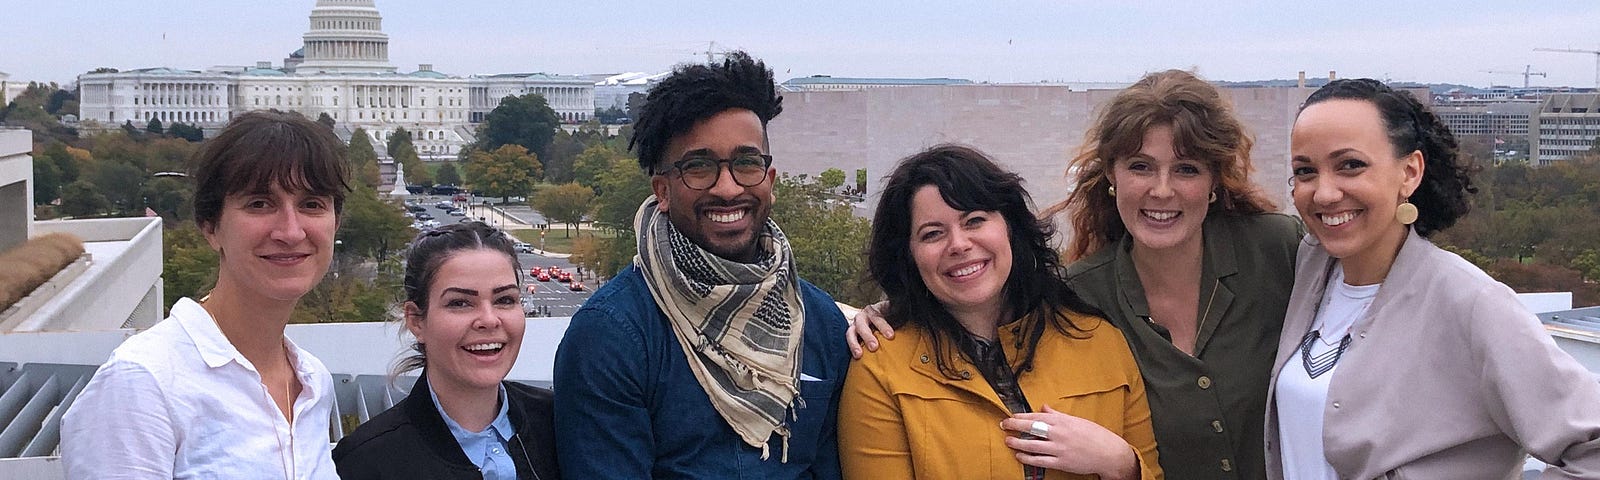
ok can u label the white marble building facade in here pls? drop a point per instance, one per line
(342, 71)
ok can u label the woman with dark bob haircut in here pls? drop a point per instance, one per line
(1179, 249)
(216, 390)
(1399, 359)
(462, 419)
(997, 349)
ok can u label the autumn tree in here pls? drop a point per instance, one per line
(504, 172)
(566, 203)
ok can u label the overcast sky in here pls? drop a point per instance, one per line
(996, 41)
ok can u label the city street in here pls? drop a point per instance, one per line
(552, 298)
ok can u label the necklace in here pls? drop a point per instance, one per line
(288, 392)
(1320, 364)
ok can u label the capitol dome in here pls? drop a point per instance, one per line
(346, 36)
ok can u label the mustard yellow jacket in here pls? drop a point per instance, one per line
(899, 417)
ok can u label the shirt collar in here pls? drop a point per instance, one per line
(214, 347)
(501, 426)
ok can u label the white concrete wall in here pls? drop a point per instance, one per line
(16, 187)
(120, 284)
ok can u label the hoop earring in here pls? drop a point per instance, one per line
(1112, 190)
(1406, 213)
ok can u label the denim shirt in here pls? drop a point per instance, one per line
(628, 406)
(486, 449)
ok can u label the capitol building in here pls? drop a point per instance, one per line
(343, 71)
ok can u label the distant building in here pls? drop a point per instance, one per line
(1030, 129)
(820, 83)
(613, 90)
(1500, 119)
(1567, 125)
(342, 70)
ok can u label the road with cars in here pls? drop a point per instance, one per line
(545, 298)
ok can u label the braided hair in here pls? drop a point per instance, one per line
(1441, 198)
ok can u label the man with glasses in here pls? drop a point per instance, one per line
(708, 357)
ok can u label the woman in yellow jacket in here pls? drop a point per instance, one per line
(1004, 372)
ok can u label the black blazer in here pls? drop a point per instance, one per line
(411, 440)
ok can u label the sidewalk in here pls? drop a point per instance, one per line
(494, 216)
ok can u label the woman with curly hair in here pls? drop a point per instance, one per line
(1399, 359)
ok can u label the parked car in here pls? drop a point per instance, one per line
(522, 247)
(424, 216)
(456, 213)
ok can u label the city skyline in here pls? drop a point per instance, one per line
(1012, 42)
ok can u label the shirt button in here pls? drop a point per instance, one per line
(1216, 425)
(924, 359)
(1335, 404)
(1227, 466)
(497, 450)
(966, 375)
(1204, 382)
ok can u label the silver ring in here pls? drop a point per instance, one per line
(1039, 429)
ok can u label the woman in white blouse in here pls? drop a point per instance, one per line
(216, 390)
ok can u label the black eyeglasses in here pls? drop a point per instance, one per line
(702, 173)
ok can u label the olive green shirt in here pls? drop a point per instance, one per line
(1207, 409)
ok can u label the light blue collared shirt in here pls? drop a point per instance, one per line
(486, 449)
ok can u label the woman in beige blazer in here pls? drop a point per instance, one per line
(1399, 359)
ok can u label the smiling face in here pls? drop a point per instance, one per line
(276, 244)
(473, 325)
(1162, 198)
(727, 218)
(964, 258)
(1348, 181)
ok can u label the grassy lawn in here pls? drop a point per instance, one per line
(557, 240)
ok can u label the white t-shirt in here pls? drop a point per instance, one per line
(178, 401)
(1302, 399)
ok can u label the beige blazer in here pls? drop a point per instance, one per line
(1447, 377)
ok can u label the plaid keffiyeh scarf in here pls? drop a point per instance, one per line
(739, 323)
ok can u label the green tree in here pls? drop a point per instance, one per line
(187, 132)
(830, 179)
(525, 120)
(1588, 264)
(154, 127)
(623, 187)
(170, 197)
(370, 228)
(326, 120)
(59, 99)
(861, 182)
(363, 159)
(566, 203)
(562, 153)
(594, 161)
(828, 240)
(504, 172)
(447, 174)
(405, 154)
(189, 266)
(47, 179)
(81, 199)
(121, 184)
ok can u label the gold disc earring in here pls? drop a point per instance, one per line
(1213, 196)
(1112, 190)
(1406, 213)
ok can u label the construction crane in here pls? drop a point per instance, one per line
(1527, 71)
(1596, 54)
